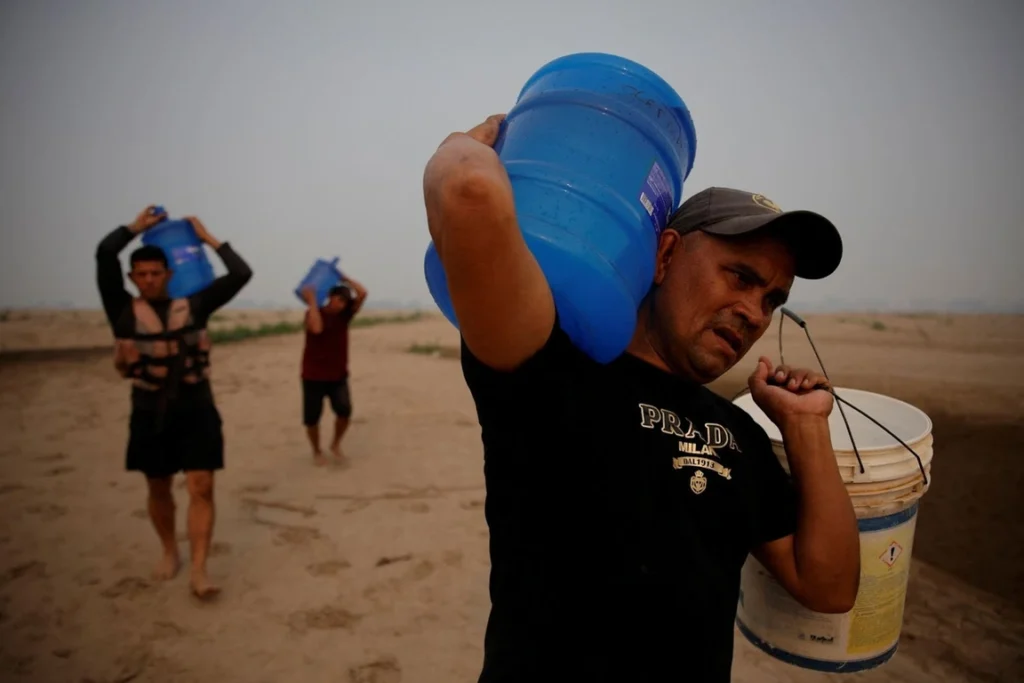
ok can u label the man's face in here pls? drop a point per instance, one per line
(151, 277)
(715, 297)
(337, 303)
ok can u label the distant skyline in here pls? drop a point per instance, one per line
(300, 130)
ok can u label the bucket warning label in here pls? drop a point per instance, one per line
(656, 198)
(877, 616)
(891, 554)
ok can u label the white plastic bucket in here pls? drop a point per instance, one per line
(885, 498)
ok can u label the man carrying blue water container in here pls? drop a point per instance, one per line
(162, 347)
(325, 362)
(624, 498)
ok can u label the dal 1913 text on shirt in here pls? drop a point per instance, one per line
(622, 503)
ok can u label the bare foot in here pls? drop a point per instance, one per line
(319, 460)
(202, 587)
(339, 457)
(168, 567)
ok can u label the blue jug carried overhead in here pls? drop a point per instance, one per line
(322, 276)
(191, 270)
(597, 148)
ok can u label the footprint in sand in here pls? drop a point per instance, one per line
(280, 516)
(53, 457)
(453, 558)
(47, 511)
(471, 504)
(275, 512)
(325, 618)
(220, 548)
(87, 577)
(130, 587)
(140, 514)
(255, 488)
(33, 570)
(385, 593)
(384, 561)
(35, 625)
(10, 488)
(418, 507)
(166, 629)
(57, 471)
(296, 535)
(421, 570)
(355, 506)
(20, 666)
(418, 572)
(383, 670)
(328, 568)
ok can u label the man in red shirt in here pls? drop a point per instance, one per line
(325, 362)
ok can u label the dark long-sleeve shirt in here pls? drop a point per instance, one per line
(117, 302)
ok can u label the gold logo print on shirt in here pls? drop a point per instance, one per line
(698, 482)
(707, 441)
(701, 446)
(706, 463)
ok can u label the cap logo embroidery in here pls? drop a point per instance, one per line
(766, 203)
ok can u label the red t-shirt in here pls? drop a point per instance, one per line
(325, 358)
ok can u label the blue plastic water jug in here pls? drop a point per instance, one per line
(322, 276)
(597, 148)
(191, 270)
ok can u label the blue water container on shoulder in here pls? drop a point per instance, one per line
(322, 277)
(597, 148)
(191, 270)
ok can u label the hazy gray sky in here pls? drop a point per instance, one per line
(298, 130)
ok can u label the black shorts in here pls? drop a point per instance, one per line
(188, 438)
(313, 394)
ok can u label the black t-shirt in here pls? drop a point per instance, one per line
(622, 503)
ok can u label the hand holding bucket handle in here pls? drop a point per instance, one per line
(786, 394)
(786, 313)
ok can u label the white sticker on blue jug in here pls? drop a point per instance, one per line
(656, 198)
(182, 255)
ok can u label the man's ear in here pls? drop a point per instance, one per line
(668, 242)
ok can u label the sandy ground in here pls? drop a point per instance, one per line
(378, 572)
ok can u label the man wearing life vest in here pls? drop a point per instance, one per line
(161, 346)
(325, 362)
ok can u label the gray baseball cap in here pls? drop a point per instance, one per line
(815, 241)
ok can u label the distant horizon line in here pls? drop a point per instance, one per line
(837, 308)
